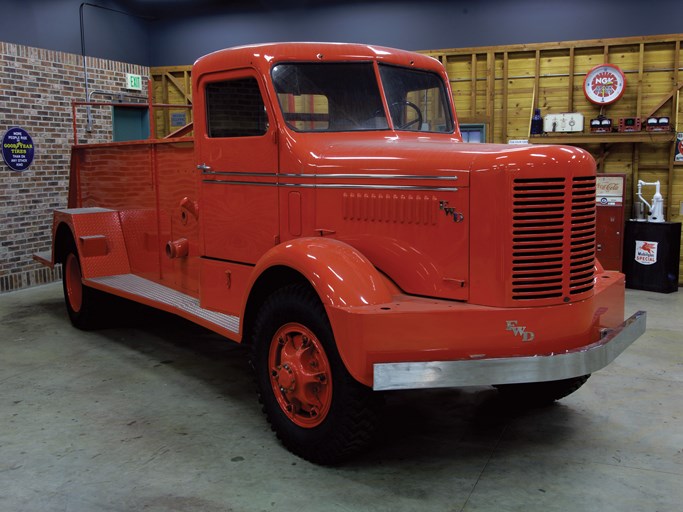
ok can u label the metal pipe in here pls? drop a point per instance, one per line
(152, 114)
(120, 95)
(88, 126)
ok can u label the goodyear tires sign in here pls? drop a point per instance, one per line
(17, 149)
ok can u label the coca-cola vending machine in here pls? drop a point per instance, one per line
(609, 198)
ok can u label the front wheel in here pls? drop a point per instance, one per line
(315, 407)
(540, 393)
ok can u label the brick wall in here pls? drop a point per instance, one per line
(36, 90)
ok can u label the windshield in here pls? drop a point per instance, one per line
(417, 99)
(329, 97)
(333, 97)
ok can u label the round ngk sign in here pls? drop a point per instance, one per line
(604, 84)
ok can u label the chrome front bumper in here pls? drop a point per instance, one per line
(511, 370)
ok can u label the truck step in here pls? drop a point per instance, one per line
(157, 295)
(44, 258)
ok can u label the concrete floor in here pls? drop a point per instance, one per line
(156, 414)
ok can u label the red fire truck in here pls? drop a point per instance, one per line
(326, 212)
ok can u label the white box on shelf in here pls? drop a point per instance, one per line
(563, 123)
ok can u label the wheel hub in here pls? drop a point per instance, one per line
(300, 375)
(286, 378)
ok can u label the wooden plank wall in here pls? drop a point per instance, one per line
(172, 86)
(500, 86)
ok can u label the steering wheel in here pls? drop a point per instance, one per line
(405, 103)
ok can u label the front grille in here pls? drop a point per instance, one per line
(553, 237)
(582, 261)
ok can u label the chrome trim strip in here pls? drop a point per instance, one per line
(333, 176)
(178, 302)
(511, 370)
(228, 173)
(385, 187)
(371, 176)
(333, 185)
(254, 183)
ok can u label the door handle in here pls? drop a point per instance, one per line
(204, 167)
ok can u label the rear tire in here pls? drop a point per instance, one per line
(536, 394)
(83, 304)
(316, 408)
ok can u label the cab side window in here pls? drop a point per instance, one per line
(235, 108)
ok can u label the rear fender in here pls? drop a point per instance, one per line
(98, 237)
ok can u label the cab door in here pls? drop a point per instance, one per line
(238, 161)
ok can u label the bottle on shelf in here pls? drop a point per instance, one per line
(537, 123)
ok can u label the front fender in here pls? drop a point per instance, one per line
(341, 275)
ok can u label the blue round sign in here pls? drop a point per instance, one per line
(17, 149)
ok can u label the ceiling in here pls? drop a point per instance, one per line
(180, 8)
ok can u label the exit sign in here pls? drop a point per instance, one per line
(133, 82)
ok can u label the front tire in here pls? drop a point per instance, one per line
(313, 404)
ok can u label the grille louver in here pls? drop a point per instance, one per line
(582, 266)
(553, 237)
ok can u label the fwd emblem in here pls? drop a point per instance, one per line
(450, 211)
(519, 330)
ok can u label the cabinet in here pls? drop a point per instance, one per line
(652, 255)
(609, 202)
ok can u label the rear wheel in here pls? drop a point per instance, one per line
(536, 394)
(83, 303)
(315, 407)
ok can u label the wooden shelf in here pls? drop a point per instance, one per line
(603, 138)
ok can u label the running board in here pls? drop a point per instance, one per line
(157, 295)
(44, 258)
